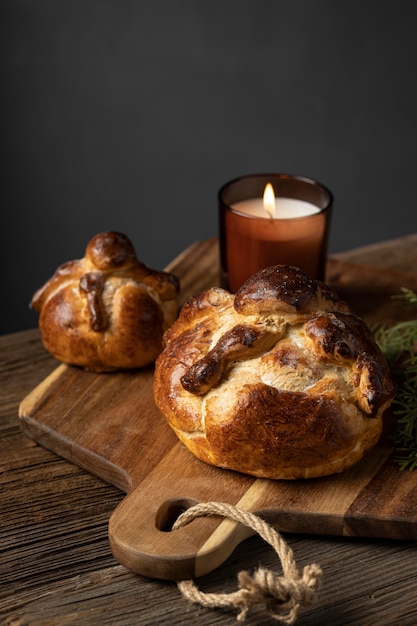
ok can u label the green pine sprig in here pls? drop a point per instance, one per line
(399, 346)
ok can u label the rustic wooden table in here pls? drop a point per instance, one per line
(56, 566)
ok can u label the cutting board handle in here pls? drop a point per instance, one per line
(140, 529)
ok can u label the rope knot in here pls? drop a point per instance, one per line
(281, 596)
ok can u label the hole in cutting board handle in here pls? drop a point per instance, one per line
(169, 512)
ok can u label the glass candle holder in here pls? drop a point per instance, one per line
(251, 239)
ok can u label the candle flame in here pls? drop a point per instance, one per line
(269, 200)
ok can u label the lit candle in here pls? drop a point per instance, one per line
(275, 208)
(258, 229)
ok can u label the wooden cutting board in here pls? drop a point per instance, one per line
(109, 425)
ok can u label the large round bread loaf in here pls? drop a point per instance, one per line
(280, 381)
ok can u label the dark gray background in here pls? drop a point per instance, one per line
(130, 115)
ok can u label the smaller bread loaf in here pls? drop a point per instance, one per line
(280, 381)
(106, 311)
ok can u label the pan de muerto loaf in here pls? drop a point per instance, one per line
(279, 381)
(106, 311)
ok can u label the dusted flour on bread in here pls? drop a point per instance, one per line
(106, 311)
(281, 380)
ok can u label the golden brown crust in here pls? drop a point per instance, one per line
(107, 311)
(279, 381)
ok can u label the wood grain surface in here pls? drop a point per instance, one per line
(108, 424)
